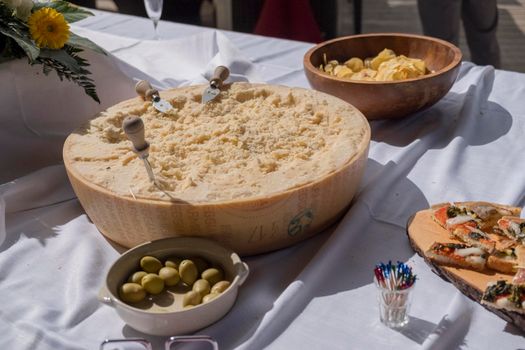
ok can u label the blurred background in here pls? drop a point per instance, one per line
(324, 19)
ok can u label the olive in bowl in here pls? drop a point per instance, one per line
(161, 309)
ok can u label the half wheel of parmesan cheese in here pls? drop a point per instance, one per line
(259, 168)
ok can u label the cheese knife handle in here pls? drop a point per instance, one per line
(145, 90)
(134, 128)
(220, 74)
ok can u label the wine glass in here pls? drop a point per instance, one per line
(154, 11)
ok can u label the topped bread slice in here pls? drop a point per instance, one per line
(482, 215)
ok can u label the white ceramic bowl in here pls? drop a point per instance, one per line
(171, 319)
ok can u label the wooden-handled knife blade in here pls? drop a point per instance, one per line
(147, 92)
(220, 74)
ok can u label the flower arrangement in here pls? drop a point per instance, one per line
(39, 30)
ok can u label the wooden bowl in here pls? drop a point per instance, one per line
(386, 99)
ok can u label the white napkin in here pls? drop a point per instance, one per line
(177, 62)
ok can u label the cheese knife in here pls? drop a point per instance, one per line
(134, 128)
(148, 93)
(220, 74)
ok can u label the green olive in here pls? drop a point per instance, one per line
(200, 263)
(191, 298)
(220, 286)
(213, 275)
(152, 283)
(137, 277)
(188, 272)
(173, 262)
(170, 276)
(210, 297)
(150, 264)
(131, 292)
(202, 287)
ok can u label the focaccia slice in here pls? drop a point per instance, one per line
(505, 295)
(458, 255)
(484, 214)
(512, 227)
(474, 236)
(503, 261)
(490, 213)
(451, 215)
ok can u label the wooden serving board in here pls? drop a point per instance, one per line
(423, 231)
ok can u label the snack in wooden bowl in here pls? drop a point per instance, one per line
(386, 99)
(386, 66)
(484, 266)
(258, 168)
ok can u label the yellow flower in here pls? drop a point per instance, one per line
(48, 28)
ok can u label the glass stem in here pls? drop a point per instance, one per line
(155, 25)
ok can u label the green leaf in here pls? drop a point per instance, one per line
(84, 43)
(71, 12)
(61, 56)
(63, 72)
(32, 51)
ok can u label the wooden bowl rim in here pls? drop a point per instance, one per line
(455, 61)
(361, 150)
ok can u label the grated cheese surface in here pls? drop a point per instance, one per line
(253, 140)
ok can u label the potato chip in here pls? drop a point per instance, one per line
(366, 74)
(386, 66)
(343, 71)
(355, 64)
(383, 56)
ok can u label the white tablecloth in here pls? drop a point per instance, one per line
(315, 295)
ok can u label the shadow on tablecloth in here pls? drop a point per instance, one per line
(468, 115)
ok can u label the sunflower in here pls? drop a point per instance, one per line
(48, 28)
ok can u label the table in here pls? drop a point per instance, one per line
(317, 294)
